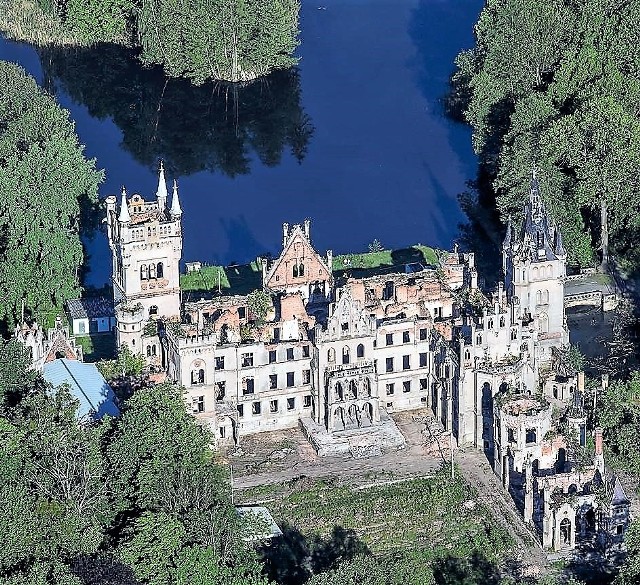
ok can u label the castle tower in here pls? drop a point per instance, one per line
(146, 246)
(534, 265)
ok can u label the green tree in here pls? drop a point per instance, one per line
(219, 39)
(45, 181)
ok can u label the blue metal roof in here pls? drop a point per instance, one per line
(86, 383)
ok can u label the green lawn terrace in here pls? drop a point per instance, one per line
(241, 279)
(413, 521)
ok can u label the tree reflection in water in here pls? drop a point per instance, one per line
(214, 127)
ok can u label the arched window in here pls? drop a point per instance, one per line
(295, 271)
(544, 323)
(550, 271)
(153, 350)
(545, 297)
(148, 351)
(514, 334)
(538, 297)
(367, 387)
(490, 324)
(360, 350)
(144, 272)
(152, 270)
(353, 389)
(160, 270)
(331, 355)
(478, 339)
(535, 272)
(467, 354)
(345, 355)
(339, 391)
(301, 269)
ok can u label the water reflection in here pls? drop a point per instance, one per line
(213, 127)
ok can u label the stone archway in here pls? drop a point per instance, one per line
(338, 419)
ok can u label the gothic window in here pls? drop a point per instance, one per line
(490, 324)
(538, 297)
(478, 339)
(295, 271)
(467, 354)
(387, 293)
(345, 355)
(545, 297)
(301, 270)
(367, 387)
(339, 391)
(514, 334)
(544, 323)
(197, 377)
(144, 272)
(353, 390)
(531, 436)
(360, 350)
(331, 355)
(148, 351)
(160, 270)
(152, 271)
(501, 321)
(535, 273)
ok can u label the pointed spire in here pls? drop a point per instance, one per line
(161, 193)
(619, 497)
(124, 208)
(176, 210)
(537, 210)
(560, 251)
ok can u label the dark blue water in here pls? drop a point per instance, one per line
(379, 158)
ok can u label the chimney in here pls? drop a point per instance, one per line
(598, 440)
(307, 225)
(285, 234)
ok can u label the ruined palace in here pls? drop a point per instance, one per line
(337, 355)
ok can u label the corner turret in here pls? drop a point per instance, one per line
(176, 210)
(124, 216)
(161, 193)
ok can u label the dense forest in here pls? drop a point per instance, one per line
(231, 40)
(47, 192)
(554, 86)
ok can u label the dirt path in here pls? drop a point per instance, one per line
(475, 468)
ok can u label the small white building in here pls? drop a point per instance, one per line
(91, 315)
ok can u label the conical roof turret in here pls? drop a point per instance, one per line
(161, 193)
(124, 208)
(176, 210)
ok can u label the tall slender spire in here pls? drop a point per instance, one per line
(176, 210)
(161, 193)
(124, 208)
(537, 210)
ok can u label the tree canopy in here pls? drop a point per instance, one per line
(555, 86)
(44, 185)
(231, 40)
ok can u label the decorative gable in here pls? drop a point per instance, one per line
(298, 264)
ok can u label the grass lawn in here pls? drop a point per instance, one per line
(428, 515)
(243, 278)
(98, 346)
(234, 280)
(385, 261)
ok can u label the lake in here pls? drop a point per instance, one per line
(355, 139)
